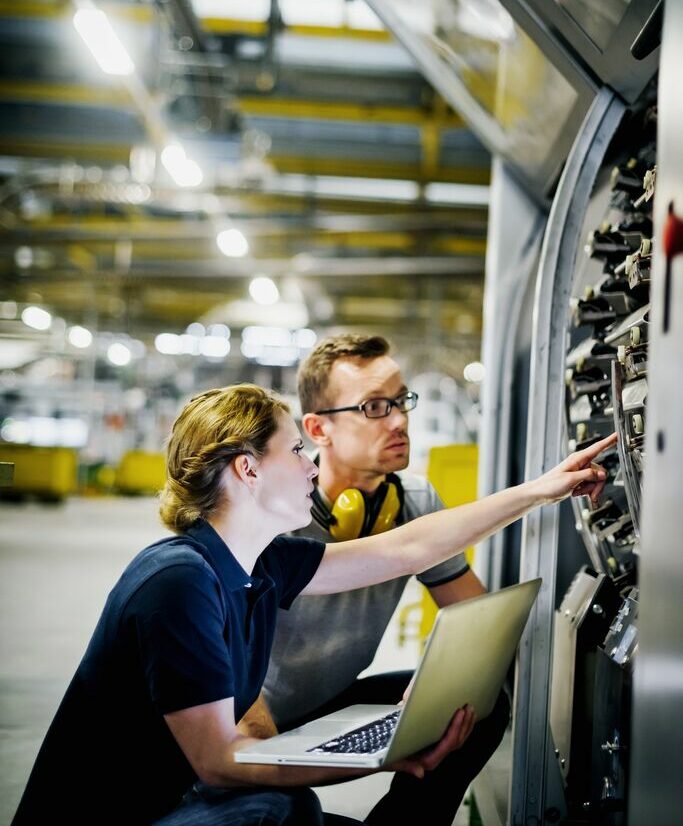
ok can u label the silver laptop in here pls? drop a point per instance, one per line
(466, 660)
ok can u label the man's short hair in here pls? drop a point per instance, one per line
(314, 373)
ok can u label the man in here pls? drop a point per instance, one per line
(355, 410)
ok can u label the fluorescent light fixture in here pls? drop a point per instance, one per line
(264, 290)
(214, 347)
(183, 170)
(98, 35)
(80, 337)
(278, 356)
(232, 243)
(17, 431)
(270, 355)
(45, 431)
(23, 257)
(167, 343)
(267, 336)
(219, 330)
(118, 354)
(462, 194)
(276, 346)
(375, 188)
(474, 372)
(305, 338)
(189, 345)
(37, 318)
(211, 345)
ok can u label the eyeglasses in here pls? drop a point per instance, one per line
(379, 408)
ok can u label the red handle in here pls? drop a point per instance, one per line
(672, 239)
(673, 234)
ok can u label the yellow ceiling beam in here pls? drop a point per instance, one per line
(143, 13)
(30, 8)
(259, 28)
(223, 26)
(269, 107)
(135, 224)
(181, 301)
(179, 243)
(460, 246)
(371, 240)
(67, 150)
(352, 168)
(287, 164)
(72, 93)
(270, 202)
(133, 12)
(378, 35)
(116, 95)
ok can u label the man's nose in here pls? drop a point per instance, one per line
(397, 415)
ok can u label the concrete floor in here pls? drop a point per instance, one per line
(57, 564)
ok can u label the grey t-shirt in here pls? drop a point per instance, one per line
(322, 643)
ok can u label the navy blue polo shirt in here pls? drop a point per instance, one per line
(185, 625)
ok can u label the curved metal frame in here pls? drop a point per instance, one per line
(535, 784)
(516, 226)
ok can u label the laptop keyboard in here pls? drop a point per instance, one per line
(367, 739)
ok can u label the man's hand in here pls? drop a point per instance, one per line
(577, 475)
(457, 732)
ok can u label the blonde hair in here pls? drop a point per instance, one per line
(314, 374)
(209, 432)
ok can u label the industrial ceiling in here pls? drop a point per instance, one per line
(356, 189)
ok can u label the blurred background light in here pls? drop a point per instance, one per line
(232, 243)
(264, 290)
(37, 318)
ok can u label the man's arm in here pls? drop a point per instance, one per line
(428, 540)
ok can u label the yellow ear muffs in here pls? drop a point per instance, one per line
(388, 512)
(349, 513)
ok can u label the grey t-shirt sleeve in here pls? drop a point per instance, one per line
(420, 499)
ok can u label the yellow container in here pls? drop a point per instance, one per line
(452, 469)
(141, 472)
(48, 472)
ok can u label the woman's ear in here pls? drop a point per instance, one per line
(244, 467)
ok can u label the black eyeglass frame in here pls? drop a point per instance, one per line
(360, 408)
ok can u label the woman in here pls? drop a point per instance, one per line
(148, 727)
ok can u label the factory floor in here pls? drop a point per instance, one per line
(57, 564)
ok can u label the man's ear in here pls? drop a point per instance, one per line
(244, 467)
(316, 429)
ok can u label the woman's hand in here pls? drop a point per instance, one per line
(577, 475)
(459, 729)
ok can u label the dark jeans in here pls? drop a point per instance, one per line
(437, 796)
(256, 806)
